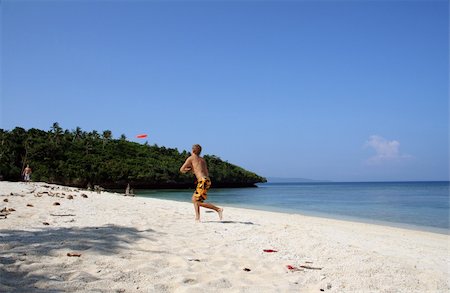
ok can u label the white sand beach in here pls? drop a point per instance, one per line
(111, 243)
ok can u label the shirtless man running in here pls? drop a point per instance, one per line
(197, 165)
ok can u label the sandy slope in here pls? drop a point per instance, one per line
(149, 245)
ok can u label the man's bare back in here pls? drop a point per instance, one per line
(196, 165)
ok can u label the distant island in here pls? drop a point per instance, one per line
(79, 158)
(293, 180)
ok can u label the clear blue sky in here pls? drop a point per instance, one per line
(336, 90)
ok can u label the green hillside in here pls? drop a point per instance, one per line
(79, 158)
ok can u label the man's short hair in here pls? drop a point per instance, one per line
(197, 149)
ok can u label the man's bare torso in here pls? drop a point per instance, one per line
(199, 167)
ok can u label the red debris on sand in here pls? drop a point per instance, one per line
(270, 250)
(291, 267)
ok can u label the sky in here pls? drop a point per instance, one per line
(325, 90)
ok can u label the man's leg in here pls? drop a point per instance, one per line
(212, 207)
(196, 208)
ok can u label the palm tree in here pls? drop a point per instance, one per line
(107, 134)
(57, 132)
(95, 134)
(77, 133)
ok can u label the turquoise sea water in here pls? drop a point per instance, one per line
(417, 205)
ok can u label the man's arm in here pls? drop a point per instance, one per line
(187, 166)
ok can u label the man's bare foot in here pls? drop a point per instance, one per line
(220, 212)
(197, 220)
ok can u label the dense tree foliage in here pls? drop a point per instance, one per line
(79, 158)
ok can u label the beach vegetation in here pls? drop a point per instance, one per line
(79, 158)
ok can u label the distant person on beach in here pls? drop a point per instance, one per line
(27, 174)
(197, 165)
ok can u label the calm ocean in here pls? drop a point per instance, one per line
(416, 205)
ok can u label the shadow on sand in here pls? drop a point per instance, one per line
(17, 245)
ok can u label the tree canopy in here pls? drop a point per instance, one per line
(79, 158)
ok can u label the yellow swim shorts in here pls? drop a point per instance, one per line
(202, 188)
